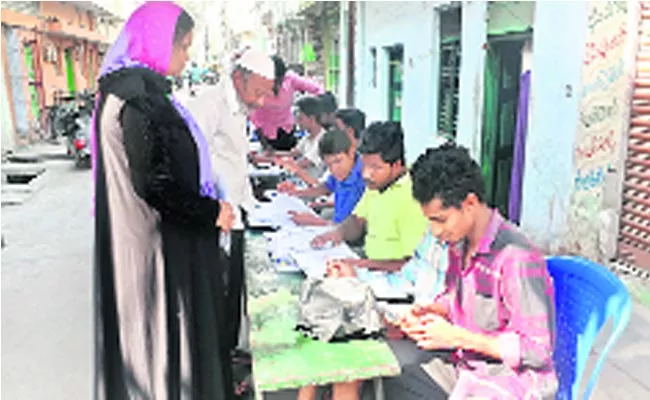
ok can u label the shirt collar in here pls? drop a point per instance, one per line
(354, 174)
(485, 244)
(396, 183)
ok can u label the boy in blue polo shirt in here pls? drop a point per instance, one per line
(344, 180)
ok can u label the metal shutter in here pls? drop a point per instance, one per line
(635, 215)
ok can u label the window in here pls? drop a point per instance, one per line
(449, 79)
(395, 75)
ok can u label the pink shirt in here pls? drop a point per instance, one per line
(276, 112)
(505, 292)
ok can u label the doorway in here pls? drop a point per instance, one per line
(31, 75)
(69, 71)
(501, 97)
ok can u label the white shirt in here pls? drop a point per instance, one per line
(308, 148)
(222, 118)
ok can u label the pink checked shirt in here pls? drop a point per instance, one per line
(505, 292)
(276, 112)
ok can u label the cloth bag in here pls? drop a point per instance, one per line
(338, 309)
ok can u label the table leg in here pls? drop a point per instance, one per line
(378, 384)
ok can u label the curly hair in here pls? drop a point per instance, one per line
(385, 139)
(447, 173)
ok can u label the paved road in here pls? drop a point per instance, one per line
(46, 290)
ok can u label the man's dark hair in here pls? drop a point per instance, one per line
(447, 173)
(184, 24)
(328, 102)
(310, 106)
(280, 71)
(334, 141)
(385, 139)
(353, 118)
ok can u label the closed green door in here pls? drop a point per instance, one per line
(31, 74)
(69, 70)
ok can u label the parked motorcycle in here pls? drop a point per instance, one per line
(77, 126)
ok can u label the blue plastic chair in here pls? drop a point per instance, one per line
(586, 296)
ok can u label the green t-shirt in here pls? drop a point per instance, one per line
(394, 221)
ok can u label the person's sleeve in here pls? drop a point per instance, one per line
(361, 209)
(527, 294)
(411, 225)
(300, 84)
(149, 156)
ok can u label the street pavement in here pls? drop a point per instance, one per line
(47, 346)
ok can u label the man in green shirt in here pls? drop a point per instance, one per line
(387, 214)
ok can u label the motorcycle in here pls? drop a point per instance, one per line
(80, 144)
(77, 126)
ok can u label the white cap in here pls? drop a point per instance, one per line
(257, 63)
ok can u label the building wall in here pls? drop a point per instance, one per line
(472, 71)
(412, 24)
(598, 159)
(7, 127)
(77, 29)
(552, 124)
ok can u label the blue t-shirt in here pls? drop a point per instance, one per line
(347, 192)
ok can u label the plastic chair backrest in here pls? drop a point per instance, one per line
(586, 296)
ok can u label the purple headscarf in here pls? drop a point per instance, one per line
(146, 41)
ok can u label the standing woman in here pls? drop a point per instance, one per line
(275, 120)
(157, 219)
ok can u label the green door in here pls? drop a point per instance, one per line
(31, 74)
(501, 95)
(69, 70)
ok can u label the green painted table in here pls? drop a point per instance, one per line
(282, 357)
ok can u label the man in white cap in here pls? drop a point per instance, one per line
(221, 112)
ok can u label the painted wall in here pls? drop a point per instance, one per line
(415, 26)
(472, 65)
(601, 129)
(510, 16)
(555, 87)
(7, 127)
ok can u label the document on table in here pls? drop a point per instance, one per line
(313, 262)
(276, 212)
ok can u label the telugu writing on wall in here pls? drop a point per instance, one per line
(602, 106)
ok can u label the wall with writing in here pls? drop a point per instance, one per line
(601, 124)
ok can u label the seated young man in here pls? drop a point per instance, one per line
(344, 180)
(497, 310)
(304, 160)
(387, 214)
(496, 313)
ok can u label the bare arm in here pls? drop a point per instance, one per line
(308, 179)
(382, 265)
(352, 228)
(314, 191)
